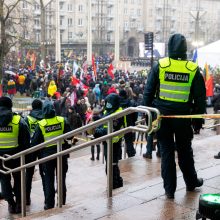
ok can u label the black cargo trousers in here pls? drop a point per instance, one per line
(176, 135)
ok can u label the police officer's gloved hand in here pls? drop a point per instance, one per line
(197, 124)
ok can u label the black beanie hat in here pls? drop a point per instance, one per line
(37, 104)
(6, 102)
(123, 94)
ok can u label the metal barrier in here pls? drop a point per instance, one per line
(58, 140)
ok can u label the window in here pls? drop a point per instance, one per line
(138, 12)
(70, 22)
(80, 22)
(50, 34)
(70, 35)
(61, 5)
(80, 8)
(26, 35)
(70, 7)
(36, 7)
(125, 11)
(126, 1)
(108, 37)
(37, 37)
(61, 21)
(24, 4)
(37, 22)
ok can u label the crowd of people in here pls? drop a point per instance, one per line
(174, 85)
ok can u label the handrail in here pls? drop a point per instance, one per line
(58, 140)
(84, 128)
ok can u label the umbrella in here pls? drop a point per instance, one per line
(10, 72)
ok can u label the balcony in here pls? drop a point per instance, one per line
(94, 2)
(159, 18)
(37, 27)
(110, 4)
(63, 27)
(127, 29)
(110, 17)
(110, 29)
(133, 17)
(140, 29)
(37, 12)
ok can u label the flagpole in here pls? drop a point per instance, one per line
(89, 34)
(117, 30)
(58, 52)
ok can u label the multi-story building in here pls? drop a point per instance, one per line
(197, 20)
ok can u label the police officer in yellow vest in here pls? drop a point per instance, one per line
(112, 106)
(176, 87)
(32, 121)
(14, 138)
(50, 127)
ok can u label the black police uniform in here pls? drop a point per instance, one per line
(50, 166)
(131, 119)
(112, 104)
(23, 140)
(31, 120)
(180, 129)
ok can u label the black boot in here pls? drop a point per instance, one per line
(98, 151)
(11, 206)
(93, 152)
(117, 180)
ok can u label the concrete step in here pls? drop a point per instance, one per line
(142, 196)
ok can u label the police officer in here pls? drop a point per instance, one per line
(50, 127)
(112, 106)
(1, 197)
(32, 120)
(14, 137)
(125, 102)
(175, 86)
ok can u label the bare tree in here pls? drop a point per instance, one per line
(6, 41)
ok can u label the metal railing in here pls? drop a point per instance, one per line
(58, 141)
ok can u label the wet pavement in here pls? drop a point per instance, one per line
(142, 196)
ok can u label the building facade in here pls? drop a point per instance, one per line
(197, 20)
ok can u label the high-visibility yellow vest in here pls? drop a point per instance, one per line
(32, 123)
(9, 134)
(51, 128)
(176, 78)
(117, 138)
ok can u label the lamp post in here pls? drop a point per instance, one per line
(89, 34)
(58, 48)
(117, 30)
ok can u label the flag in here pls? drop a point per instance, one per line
(75, 68)
(32, 57)
(94, 66)
(110, 71)
(66, 66)
(208, 82)
(195, 56)
(75, 81)
(70, 54)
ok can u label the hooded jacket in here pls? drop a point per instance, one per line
(195, 105)
(6, 116)
(48, 112)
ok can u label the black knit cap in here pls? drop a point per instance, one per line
(6, 102)
(37, 104)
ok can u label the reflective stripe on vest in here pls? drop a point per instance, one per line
(176, 78)
(9, 134)
(51, 128)
(32, 123)
(117, 138)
